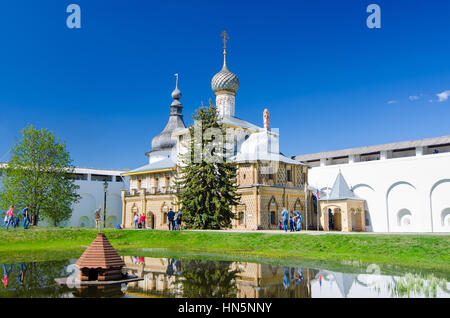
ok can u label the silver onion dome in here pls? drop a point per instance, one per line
(165, 140)
(225, 80)
(176, 94)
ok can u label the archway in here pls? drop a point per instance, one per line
(150, 220)
(404, 219)
(334, 219)
(399, 196)
(299, 207)
(445, 218)
(134, 212)
(273, 213)
(439, 201)
(111, 221)
(164, 211)
(353, 218)
(85, 221)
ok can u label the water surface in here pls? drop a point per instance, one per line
(178, 277)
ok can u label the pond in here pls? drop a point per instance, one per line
(179, 277)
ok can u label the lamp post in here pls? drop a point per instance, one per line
(105, 188)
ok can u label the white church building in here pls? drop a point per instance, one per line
(405, 185)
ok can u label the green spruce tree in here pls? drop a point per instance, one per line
(206, 186)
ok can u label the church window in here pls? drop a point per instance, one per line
(272, 218)
(241, 218)
(289, 178)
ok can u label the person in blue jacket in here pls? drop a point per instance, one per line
(285, 218)
(26, 217)
(299, 220)
(171, 219)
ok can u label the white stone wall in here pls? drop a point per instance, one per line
(92, 197)
(414, 190)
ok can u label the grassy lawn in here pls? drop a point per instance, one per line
(427, 252)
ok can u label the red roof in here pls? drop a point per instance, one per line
(100, 254)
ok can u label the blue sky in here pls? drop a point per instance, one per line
(328, 81)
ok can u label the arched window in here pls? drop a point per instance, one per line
(273, 211)
(404, 218)
(445, 217)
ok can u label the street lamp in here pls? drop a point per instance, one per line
(105, 188)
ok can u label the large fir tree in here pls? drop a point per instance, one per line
(207, 182)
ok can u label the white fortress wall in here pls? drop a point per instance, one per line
(410, 194)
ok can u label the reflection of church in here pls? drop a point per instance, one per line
(268, 181)
(168, 277)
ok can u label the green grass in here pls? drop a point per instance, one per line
(423, 252)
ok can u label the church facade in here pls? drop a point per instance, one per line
(398, 187)
(268, 181)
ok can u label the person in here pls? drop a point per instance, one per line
(299, 277)
(26, 217)
(286, 278)
(170, 217)
(97, 218)
(280, 226)
(136, 221)
(298, 220)
(179, 216)
(291, 222)
(5, 221)
(21, 275)
(285, 217)
(143, 221)
(169, 270)
(10, 214)
(6, 273)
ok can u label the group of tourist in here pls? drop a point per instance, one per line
(7, 269)
(292, 221)
(174, 220)
(291, 275)
(14, 220)
(139, 221)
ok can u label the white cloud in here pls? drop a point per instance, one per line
(443, 96)
(413, 98)
(392, 101)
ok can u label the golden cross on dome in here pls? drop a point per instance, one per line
(176, 75)
(225, 36)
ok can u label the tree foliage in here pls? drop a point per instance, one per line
(207, 183)
(39, 174)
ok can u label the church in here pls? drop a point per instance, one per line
(397, 187)
(268, 181)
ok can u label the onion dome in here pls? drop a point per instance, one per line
(225, 80)
(165, 140)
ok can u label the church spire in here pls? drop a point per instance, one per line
(225, 37)
(164, 140)
(225, 85)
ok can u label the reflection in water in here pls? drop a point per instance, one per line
(201, 278)
(34, 279)
(414, 284)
